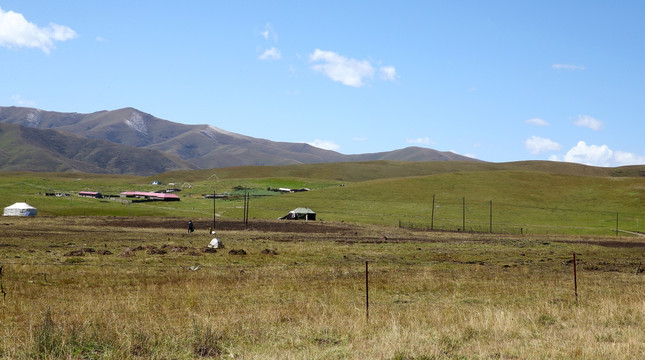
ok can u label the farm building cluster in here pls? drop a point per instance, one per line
(153, 196)
(136, 195)
(24, 209)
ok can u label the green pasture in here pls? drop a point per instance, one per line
(382, 193)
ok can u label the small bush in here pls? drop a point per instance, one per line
(53, 342)
(206, 342)
(47, 338)
(140, 344)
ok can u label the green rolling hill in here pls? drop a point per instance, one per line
(521, 197)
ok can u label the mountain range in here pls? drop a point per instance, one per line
(129, 141)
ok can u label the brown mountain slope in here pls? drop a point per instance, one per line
(29, 149)
(412, 153)
(203, 145)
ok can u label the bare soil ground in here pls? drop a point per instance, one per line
(293, 231)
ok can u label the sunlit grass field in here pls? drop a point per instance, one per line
(143, 288)
(404, 261)
(383, 193)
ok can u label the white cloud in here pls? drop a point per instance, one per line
(536, 145)
(537, 122)
(387, 73)
(269, 33)
(100, 39)
(588, 122)
(325, 144)
(17, 99)
(568, 67)
(602, 155)
(590, 155)
(16, 32)
(271, 54)
(350, 72)
(625, 158)
(422, 140)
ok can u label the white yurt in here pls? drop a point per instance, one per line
(20, 209)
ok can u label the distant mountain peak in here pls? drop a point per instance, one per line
(192, 146)
(136, 122)
(33, 118)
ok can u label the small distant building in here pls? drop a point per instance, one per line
(149, 195)
(91, 194)
(57, 194)
(300, 214)
(216, 196)
(20, 209)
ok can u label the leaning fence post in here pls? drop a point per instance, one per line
(4, 293)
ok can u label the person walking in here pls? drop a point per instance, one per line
(191, 228)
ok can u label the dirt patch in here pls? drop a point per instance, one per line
(80, 252)
(606, 243)
(286, 226)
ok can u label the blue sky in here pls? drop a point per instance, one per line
(496, 80)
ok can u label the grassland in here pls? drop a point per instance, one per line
(103, 279)
(142, 288)
(527, 197)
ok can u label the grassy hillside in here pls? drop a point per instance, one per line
(45, 150)
(509, 198)
(372, 170)
(518, 201)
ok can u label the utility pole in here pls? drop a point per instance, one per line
(432, 219)
(491, 217)
(616, 223)
(214, 195)
(463, 215)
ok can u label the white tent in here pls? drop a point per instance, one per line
(20, 209)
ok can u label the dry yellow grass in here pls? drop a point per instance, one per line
(432, 295)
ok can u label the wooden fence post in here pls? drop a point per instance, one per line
(575, 277)
(367, 293)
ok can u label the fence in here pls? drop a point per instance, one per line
(461, 214)
(65, 303)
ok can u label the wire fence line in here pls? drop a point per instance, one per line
(100, 298)
(601, 216)
(468, 215)
(248, 287)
